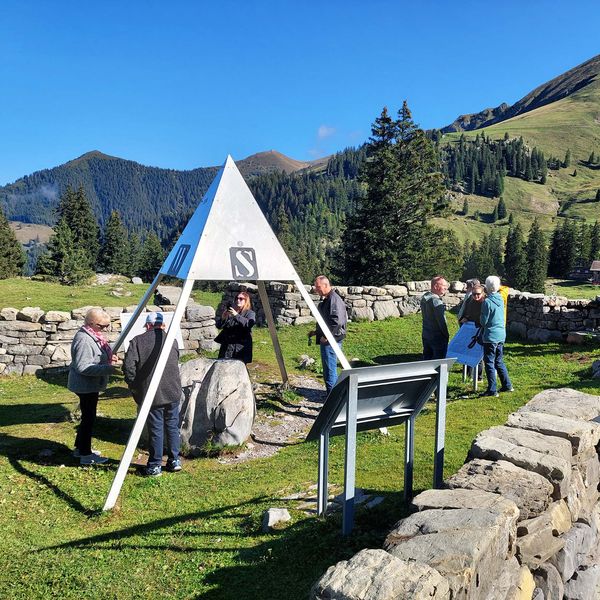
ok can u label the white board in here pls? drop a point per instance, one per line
(139, 327)
(459, 346)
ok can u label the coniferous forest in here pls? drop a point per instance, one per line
(358, 217)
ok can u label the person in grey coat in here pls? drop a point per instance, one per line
(333, 310)
(92, 361)
(140, 359)
(435, 329)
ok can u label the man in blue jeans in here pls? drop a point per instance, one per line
(333, 311)
(494, 336)
(140, 359)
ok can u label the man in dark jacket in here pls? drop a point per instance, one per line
(140, 360)
(435, 329)
(333, 311)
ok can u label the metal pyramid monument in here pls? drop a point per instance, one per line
(228, 237)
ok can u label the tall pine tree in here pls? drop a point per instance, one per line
(537, 255)
(75, 210)
(12, 257)
(114, 256)
(515, 261)
(64, 260)
(384, 238)
(152, 257)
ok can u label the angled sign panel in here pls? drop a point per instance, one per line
(228, 237)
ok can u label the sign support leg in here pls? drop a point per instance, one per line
(409, 453)
(440, 427)
(350, 463)
(323, 483)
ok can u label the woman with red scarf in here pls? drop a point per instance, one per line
(92, 361)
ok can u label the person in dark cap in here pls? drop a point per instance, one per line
(138, 366)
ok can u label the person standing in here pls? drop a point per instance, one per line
(333, 310)
(140, 359)
(236, 324)
(494, 336)
(471, 283)
(92, 361)
(435, 329)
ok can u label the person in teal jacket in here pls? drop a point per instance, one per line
(494, 336)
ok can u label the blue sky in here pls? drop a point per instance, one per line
(181, 84)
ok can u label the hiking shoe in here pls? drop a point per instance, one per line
(152, 471)
(92, 459)
(173, 466)
(510, 389)
(77, 454)
(489, 393)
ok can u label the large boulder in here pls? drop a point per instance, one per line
(376, 575)
(221, 409)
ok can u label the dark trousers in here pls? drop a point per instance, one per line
(163, 419)
(433, 350)
(83, 440)
(493, 357)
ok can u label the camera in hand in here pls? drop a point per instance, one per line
(229, 305)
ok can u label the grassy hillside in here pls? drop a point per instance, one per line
(571, 123)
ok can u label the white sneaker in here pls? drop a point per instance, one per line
(92, 459)
(77, 454)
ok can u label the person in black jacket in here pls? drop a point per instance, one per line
(236, 323)
(333, 311)
(140, 360)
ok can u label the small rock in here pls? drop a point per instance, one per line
(274, 516)
(305, 361)
(137, 281)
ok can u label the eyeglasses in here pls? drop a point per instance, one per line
(477, 295)
(101, 326)
(240, 298)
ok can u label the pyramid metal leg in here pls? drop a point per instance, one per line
(137, 312)
(264, 299)
(134, 437)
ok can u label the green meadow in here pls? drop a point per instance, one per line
(197, 534)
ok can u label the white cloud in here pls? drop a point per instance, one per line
(325, 131)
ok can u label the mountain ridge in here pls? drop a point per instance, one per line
(551, 91)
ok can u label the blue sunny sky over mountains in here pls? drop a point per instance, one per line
(182, 84)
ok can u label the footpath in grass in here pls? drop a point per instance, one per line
(196, 534)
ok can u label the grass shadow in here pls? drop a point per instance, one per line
(43, 453)
(22, 414)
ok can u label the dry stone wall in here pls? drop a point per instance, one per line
(520, 519)
(534, 317)
(540, 318)
(33, 340)
(364, 303)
